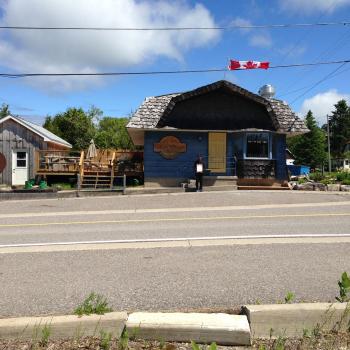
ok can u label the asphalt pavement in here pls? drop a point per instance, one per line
(255, 246)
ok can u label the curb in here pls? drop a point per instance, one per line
(184, 327)
(69, 326)
(255, 321)
(200, 327)
(292, 320)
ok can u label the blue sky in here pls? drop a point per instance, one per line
(55, 52)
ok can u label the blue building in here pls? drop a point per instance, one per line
(238, 134)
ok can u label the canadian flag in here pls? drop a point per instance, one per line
(248, 65)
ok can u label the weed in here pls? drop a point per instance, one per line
(134, 333)
(344, 288)
(306, 333)
(124, 340)
(45, 335)
(316, 332)
(93, 304)
(106, 338)
(195, 346)
(280, 343)
(213, 346)
(290, 296)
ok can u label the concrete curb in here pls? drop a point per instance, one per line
(256, 321)
(292, 320)
(183, 327)
(60, 327)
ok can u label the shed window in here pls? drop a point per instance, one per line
(257, 145)
(21, 159)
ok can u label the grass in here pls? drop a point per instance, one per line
(93, 304)
(62, 186)
(290, 296)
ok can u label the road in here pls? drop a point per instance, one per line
(187, 251)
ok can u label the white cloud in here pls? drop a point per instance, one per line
(256, 38)
(322, 104)
(94, 51)
(261, 40)
(292, 51)
(311, 6)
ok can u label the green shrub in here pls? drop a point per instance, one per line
(344, 288)
(93, 304)
(317, 176)
(343, 176)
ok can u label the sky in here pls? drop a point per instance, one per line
(30, 51)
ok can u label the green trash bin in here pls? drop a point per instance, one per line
(28, 185)
(42, 185)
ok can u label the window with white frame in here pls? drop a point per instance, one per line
(257, 145)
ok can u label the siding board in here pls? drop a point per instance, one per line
(14, 136)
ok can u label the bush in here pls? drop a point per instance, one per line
(343, 176)
(317, 176)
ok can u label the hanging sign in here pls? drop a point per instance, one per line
(2, 162)
(169, 147)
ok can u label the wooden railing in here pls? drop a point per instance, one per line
(65, 162)
(57, 162)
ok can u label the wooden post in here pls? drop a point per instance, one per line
(124, 184)
(112, 169)
(37, 161)
(81, 170)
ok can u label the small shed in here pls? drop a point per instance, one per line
(20, 140)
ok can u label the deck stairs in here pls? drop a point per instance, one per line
(97, 179)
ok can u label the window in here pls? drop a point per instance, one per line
(21, 159)
(257, 145)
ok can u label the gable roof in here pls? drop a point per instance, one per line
(153, 111)
(47, 135)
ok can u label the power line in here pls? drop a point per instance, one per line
(328, 76)
(327, 52)
(229, 27)
(24, 75)
(309, 31)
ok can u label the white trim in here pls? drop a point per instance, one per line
(269, 151)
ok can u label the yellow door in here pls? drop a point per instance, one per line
(217, 152)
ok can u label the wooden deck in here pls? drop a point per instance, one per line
(97, 172)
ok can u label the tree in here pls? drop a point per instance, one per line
(75, 126)
(4, 110)
(309, 149)
(112, 133)
(339, 126)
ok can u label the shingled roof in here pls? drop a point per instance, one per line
(151, 114)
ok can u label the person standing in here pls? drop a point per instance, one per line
(199, 167)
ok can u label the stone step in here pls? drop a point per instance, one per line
(259, 188)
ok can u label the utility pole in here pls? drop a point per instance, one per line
(329, 147)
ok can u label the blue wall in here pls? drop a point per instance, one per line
(279, 154)
(197, 143)
(182, 166)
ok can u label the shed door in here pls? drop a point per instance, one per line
(217, 152)
(19, 167)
